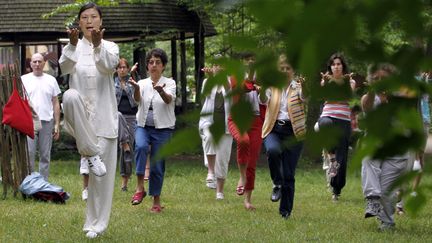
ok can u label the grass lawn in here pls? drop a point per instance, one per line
(192, 214)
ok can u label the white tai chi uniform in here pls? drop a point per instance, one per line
(90, 111)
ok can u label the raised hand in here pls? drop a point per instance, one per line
(97, 36)
(325, 77)
(133, 83)
(73, 36)
(300, 79)
(134, 67)
(158, 88)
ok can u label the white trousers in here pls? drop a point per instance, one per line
(222, 150)
(100, 189)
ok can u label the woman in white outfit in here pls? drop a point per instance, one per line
(90, 111)
(215, 112)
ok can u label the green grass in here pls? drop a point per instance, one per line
(192, 214)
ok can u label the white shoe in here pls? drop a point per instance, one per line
(97, 167)
(211, 181)
(84, 166)
(417, 166)
(219, 196)
(84, 194)
(91, 234)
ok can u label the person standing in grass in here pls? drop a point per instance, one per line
(215, 112)
(337, 114)
(127, 108)
(248, 143)
(90, 111)
(42, 90)
(155, 125)
(378, 175)
(283, 128)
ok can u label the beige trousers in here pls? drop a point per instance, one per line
(221, 150)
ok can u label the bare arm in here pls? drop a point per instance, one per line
(137, 94)
(167, 98)
(367, 101)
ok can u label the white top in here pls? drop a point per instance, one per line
(252, 98)
(283, 107)
(163, 114)
(206, 119)
(91, 74)
(41, 91)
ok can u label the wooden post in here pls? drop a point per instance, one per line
(139, 56)
(199, 63)
(183, 79)
(174, 59)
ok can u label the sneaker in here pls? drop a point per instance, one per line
(285, 216)
(219, 196)
(386, 226)
(335, 197)
(373, 207)
(211, 181)
(333, 170)
(84, 166)
(91, 234)
(84, 194)
(97, 167)
(276, 194)
(417, 166)
(400, 210)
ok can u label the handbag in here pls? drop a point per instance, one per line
(17, 113)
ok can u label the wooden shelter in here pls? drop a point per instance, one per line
(21, 26)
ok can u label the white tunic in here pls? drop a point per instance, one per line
(91, 71)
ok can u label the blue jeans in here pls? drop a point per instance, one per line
(283, 152)
(156, 138)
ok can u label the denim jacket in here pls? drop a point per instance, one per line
(129, 91)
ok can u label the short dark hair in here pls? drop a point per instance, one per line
(88, 6)
(159, 53)
(339, 56)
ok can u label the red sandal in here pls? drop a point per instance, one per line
(138, 197)
(156, 209)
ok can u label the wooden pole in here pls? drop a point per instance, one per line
(183, 77)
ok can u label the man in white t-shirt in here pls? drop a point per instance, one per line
(42, 90)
